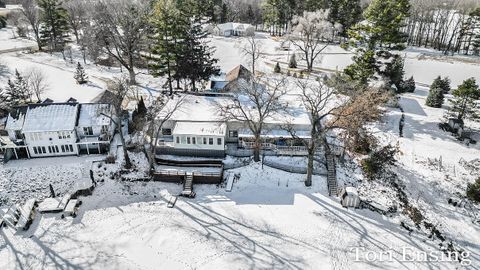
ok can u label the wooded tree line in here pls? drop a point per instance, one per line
(452, 26)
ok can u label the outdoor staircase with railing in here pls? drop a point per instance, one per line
(188, 186)
(331, 174)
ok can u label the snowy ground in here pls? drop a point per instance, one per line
(268, 221)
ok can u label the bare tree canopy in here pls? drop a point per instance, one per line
(121, 27)
(312, 33)
(37, 81)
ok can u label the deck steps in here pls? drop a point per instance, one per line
(188, 186)
(331, 174)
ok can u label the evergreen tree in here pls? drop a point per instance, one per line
(409, 85)
(55, 27)
(169, 27)
(394, 72)
(3, 22)
(435, 98)
(364, 66)
(141, 108)
(293, 61)
(17, 91)
(197, 62)
(443, 84)
(224, 14)
(464, 102)
(277, 68)
(80, 75)
(375, 38)
(345, 12)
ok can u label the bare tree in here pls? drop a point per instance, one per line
(121, 27)
(252, 51)
(320, 102)
(311, 34)
(77, 16)
(31, 12)
(253, 103)
(37, 82)
(159, 112)
(117, 91)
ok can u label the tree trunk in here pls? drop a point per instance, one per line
(128, 163)
(311, 152)
(256, 149)
(131, 73)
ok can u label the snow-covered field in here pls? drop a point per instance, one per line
(269, 220)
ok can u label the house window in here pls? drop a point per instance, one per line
(177, 139)
(18, 135)
(204, 140)
(233, 134)
(184, 141)
(104, 129)
(44, 150)
(35, 150)
(210, 141)
(167, 131)
(194, 140)
(63, 148)
(88, 131)
(219, 141)
(188, 140)
(71, 148)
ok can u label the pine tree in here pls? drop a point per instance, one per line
(293, 61)
(17, 91)
(394, 72)
(170, 29)
(141, 108)
(345, 12)
(197, 62)
(375, 38)
(80, 75)
(409, 85)
(435, 98)
(3, 22)
(224, 14)
(464, 102)
(277, 68)
(55, 27)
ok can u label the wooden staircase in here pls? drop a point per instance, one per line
(188, 186)
(331, 173)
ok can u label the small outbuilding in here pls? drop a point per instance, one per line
(349, 197)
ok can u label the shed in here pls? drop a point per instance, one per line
(349, 197)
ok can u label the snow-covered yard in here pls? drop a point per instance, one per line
(269, 221)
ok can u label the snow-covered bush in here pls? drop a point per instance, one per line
(378, 161)
(277, 68)
(435, 98)
(409, 85)
(473, 191)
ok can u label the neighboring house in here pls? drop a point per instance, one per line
(57, 129)
(231, 29)
(230, 81)
(94, 124)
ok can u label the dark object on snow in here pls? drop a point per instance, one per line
(52, 192)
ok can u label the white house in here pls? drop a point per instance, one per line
(57, 129)
(231, 29)
(197, 129)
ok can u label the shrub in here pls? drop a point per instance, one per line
(277, 68)
(376, 163)
(110, 159)
(409, 85)
(473, 191)
(293, 62)
(435, 98)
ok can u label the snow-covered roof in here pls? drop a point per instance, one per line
(91, 115)
(234, 26)
(206, 109)
(50, 117)
(16, 118)
(200, 128)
